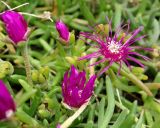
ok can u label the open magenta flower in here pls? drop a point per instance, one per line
(7, 105)
(115, 47)
(16, 25)
(76, 91)
(62, 30)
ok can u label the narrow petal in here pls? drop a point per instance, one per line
(136, 39)
(133, 35)
(65, 84)
(118, 31)
(105, 69)
(127, 63)
(110, 26)
(87, 92)
(119, 70)
(92, 37)
(65, 77)
(89, 56)
(81, 79)
(98, 62)
(136, 61)
(75, 98)
(137, 54)
(74, 72)
(141, 48)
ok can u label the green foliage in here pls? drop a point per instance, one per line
(119, 101)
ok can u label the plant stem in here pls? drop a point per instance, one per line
(27, 63)
(69, 121)
(153, 85)
(91, 68)
(134, 79)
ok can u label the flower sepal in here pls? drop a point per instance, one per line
(63, 41)
(72, 39)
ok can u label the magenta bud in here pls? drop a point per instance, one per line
(76, 91)
(7, 105)
(58, 126)
(62, 30)
(15, 24)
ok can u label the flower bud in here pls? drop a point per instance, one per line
(102, 29)
(40, 76)
(45, 71)
(72, 38)
(139, 72)
(58, 126)
(41, 79)
(35, 76)
(71, 60)
(43, 113)
(62, 30)
(6, 68)
(156, 51)
(7, 105)
(76, 91)
(15, 24)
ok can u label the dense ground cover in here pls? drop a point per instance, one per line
(125, 95)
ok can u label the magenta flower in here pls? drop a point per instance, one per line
(16, 26)
(7, 105)
(115, 47)
(62, 30)
(75, 90)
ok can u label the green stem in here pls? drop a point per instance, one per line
(134, 79)
(27, 63)
(69, 121)
(153, 85)
(120, 85)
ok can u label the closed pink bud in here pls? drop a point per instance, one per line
(76, 89)
(16, 26)
(62, 30)
(7, 105)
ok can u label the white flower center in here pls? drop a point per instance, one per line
(9, 113)
(114, 47)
